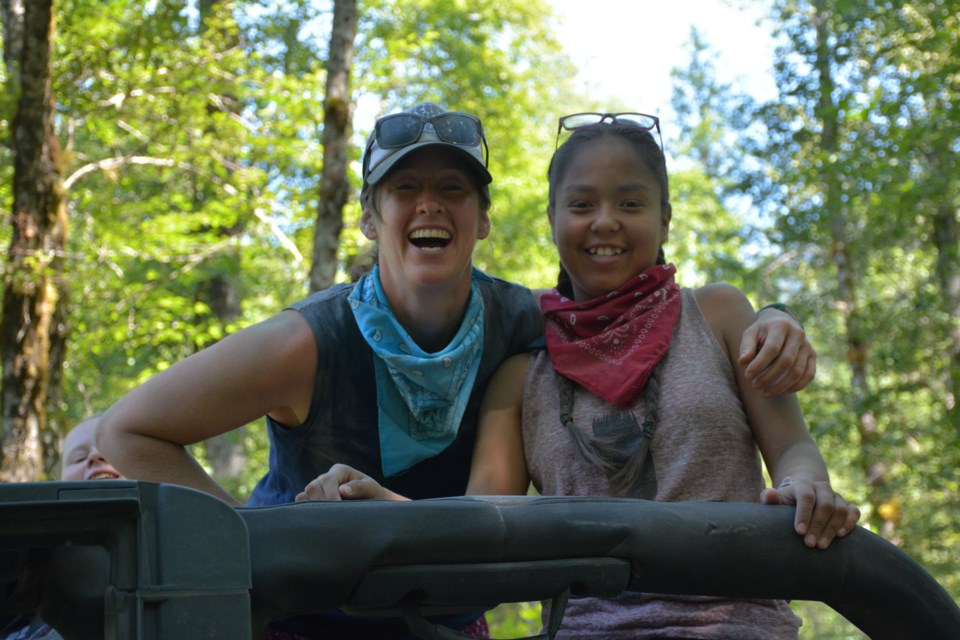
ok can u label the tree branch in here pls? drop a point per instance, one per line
(109, 164)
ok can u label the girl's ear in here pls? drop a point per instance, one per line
(367, 227)
(665, 223)
(553, 232)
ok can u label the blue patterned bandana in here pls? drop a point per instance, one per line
(421, 397)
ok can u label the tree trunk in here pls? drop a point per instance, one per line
(11, 11)
(827, 114)
(946, 237)
(34, 262)
(225, 453)
(337, 116)
(57, 427)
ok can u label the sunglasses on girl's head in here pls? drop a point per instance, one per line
(588, 120)
(401, 129)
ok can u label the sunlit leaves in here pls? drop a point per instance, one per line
(500, 61)
(890, 197)
(193, 156)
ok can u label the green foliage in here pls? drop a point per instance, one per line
(706, 238)
(869, 205)
(193, 155)
(896, 88)
(487, 58)
(820, 622)
(515, 620)
(180, 177)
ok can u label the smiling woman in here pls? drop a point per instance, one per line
(638, 393)
(426, 218)
(609, 230)
(386, 374)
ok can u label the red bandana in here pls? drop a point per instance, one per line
(611, 344)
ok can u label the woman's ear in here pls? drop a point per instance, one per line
(483, 229)
(553, 233)
(367, 227)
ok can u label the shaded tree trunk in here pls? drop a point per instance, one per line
(828, 115)
(11, 12)
(225, 452)
(337, 117)
(946, 238)
(32, 278)
(57, 426)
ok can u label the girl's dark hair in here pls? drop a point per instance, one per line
(647, 150)
(621, 454)
(643, 142)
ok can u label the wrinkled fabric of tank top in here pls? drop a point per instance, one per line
(702, 449)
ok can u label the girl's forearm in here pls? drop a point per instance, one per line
(800, 461)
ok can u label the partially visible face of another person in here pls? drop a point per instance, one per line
(81, 459)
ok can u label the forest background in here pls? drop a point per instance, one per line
(173, 171)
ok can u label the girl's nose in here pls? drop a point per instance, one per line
(605, 220)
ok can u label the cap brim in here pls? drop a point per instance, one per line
(384, 167)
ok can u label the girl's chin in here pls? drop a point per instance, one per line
(599, 288)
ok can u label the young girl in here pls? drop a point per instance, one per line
(639, 393)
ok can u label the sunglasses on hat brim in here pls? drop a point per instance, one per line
(402, 129)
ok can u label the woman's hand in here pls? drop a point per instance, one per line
(343, 482)
(822, 513)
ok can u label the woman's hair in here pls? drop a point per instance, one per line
(647, 150)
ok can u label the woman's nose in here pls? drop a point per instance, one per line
(429, 202)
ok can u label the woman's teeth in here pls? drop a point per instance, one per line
(430, 238)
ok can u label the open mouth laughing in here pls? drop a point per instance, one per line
(432, 239)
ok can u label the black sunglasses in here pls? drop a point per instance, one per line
(576, 121)
(402, 129)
